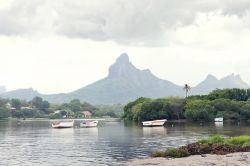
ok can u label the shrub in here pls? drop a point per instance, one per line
(205, 149)
(158, 154)
(177, 153)
(212, 140)
(238, 141)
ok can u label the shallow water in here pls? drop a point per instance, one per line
(36, 143)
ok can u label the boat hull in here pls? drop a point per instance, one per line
(218, 119)
(63, 124)
(154, 123)
(89, 124)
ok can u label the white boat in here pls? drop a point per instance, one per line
(87, 124)
(63, 124)
(220, 119)
(154, 123)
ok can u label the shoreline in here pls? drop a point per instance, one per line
(231, 159)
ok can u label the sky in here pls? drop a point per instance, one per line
(59, 46)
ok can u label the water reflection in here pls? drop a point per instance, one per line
(154, 131)
(36, 143)
(93, 132)
(218, 124)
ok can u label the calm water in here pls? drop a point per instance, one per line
(36, 143)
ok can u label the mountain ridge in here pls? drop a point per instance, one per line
(125, 83)
(2, 89)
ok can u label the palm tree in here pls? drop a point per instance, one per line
(187, 88)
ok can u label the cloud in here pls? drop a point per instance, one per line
(26, 17)
(140, 22)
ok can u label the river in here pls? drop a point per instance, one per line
(30, 142)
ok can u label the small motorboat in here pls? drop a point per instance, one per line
(154, 123)
(63, 124)
(87, 124)
(220, 119)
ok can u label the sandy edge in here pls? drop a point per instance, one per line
(234, 159)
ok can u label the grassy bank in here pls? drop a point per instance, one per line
(211, 145)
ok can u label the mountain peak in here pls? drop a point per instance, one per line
(122, 67)
(123, 58)
(2, 89)
(232, 77)
(211, 77)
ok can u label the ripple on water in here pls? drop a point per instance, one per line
(35, 143)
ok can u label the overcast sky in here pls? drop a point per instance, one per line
(62, 45)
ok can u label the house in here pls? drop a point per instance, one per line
(87, 114)
(8, 106)
(57, 111)
(26, 108)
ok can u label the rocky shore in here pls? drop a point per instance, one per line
(233, 159)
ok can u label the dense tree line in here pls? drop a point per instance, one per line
(39, 108)
(231, 104)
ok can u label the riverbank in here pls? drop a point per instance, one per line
(215, 150)
(233, 159)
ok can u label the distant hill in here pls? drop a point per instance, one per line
(25, 94)
(211, 83)
(125, 83)
(2, 89)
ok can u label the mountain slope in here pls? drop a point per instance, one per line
(25, 94)
(2, 89)
(123, 84)
(211, 83)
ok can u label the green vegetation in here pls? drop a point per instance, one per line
(39, 108)
(211, 145)
(172, 152)
(231, 104)
(113, 111)
(199, 110)
(149, 109)
(4, 113)
(213, 140)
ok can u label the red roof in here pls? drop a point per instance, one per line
(87, 113)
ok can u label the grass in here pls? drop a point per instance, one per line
(212, 145)
(213, 140)
(238, 141)
(235, 141)
(172, 152)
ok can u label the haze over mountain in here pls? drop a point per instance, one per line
(211, 83)
(2, 89)
(125, 83)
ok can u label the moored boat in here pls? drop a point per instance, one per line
(154, 123)
(219, 119)
(63, 124)
(87, 124)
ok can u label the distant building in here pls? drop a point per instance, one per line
(26, 108)
(12, 109)
(8, 105)
(86, 114)
(57, 111)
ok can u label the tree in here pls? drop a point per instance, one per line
(40, 104)
(173, 108)
(199, 110)
(245, 113)
(16, 103)
(4, 113)
(45, 105)
(75, 105)
(37, 102)
(187, 88)
(130, 113)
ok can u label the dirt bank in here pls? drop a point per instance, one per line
(234, 159)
